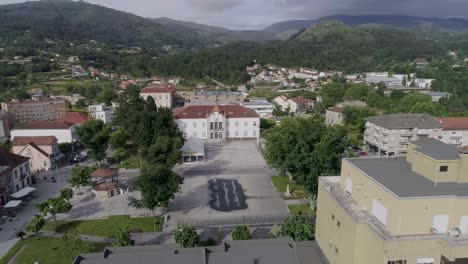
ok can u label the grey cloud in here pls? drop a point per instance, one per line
(215, 5)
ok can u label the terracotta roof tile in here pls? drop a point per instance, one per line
(11, 160)
(203, 111)
(454, 123)
(40, 141)
(302, 100)
(47, 125)
(336, 109)
(159, 88)
(103, 173)
(75, 118)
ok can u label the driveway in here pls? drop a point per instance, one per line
(234, 174)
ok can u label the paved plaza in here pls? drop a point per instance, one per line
(234, 174)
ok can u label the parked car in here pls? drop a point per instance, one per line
(362, 153)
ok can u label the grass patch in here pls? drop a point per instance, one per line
(106, 227)
(281, 182)
(302, 209)
(48, 250)
(132, 162)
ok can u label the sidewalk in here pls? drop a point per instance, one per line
(6, 246)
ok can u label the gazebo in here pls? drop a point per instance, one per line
(106, 183)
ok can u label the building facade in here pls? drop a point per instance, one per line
(263, 108)
(43, 152)
(218, 122)
(389, 135)
(334, 116)
(294, 105)
(37, 109)
(63, 131)
(20, 171)
(163, 94)
(454, 130)
(101, 112)
(401, 210)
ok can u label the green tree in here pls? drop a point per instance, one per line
(54, 206)
(157, 184)
(95, 135)
(66, 194)
(79, 176)
(118, 139)
(186, 236)
(241, 232)
(122, 238)
(151, 104)
(36, 225)
(165, 150)
(106, 96)
(73, 244)
(298, 228)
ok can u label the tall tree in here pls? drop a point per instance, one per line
(157, 184)
(186, 236)
(165, 150)
(151, 105)
(118, 139)
(36, 225)
(79, 176)
(95, 135)
(54, 206)
(66, 194)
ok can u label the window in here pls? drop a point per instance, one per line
(245, 123)
(254, 133)
(255, 123)
(245, 133)
(397, 262)
(443, 168)
(220, 135)
(204, 135)
(220, 125)
(237, 133)
(203, 124)
(211, 125)
(237, 123)
(194, 124)
(212, 135)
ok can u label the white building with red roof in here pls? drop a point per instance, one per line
(163, 94)
(63, 131)
(218, 122)
(454, 130)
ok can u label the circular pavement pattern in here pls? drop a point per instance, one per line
(226, 195)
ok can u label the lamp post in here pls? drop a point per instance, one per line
(182, 237)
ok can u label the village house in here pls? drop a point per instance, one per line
(20, 171)
(77, 118)
(101, 112)
(454, 130)
(294, 105)
(43, 152)
(163, 94)
(218, 122)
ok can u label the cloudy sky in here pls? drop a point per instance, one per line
(255, 14)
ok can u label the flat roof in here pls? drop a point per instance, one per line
(436, 149)
(405, 121)
(271, 251)
(395, 175)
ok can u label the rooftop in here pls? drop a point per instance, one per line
(436, 149)
(336, 109)
(405, 121)
(274, 251)
(395, 175)
(454, 123)
(29, 101)
(11, 160)
(40, 141)
(203, 111)
(104, 173)
(255, 103)
(47, 125)
(75, 118)
(159, 88)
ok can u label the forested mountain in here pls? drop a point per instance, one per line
(78, 20)
(329, 45)
(287, 28)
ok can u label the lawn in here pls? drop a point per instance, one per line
(132, 162)
(298, 190)
(303, 209)
(48, 250)
(106, 227)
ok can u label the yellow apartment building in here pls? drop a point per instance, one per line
(397, 210)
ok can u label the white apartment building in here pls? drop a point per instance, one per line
(63, 131)
(218, 122)
(389, 135)
(101, 112)
(454, 131)
(262, 107)
(163, 94)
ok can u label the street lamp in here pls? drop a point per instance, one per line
(182, 237)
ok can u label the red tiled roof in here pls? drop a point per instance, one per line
(40, 141)
(159, 88)
(107, 186)
(47, 125)
(454, 123)
(75, 118)
(203, 111)
(11, 160)
(302, 100)
(336, 109)
(103, 173)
